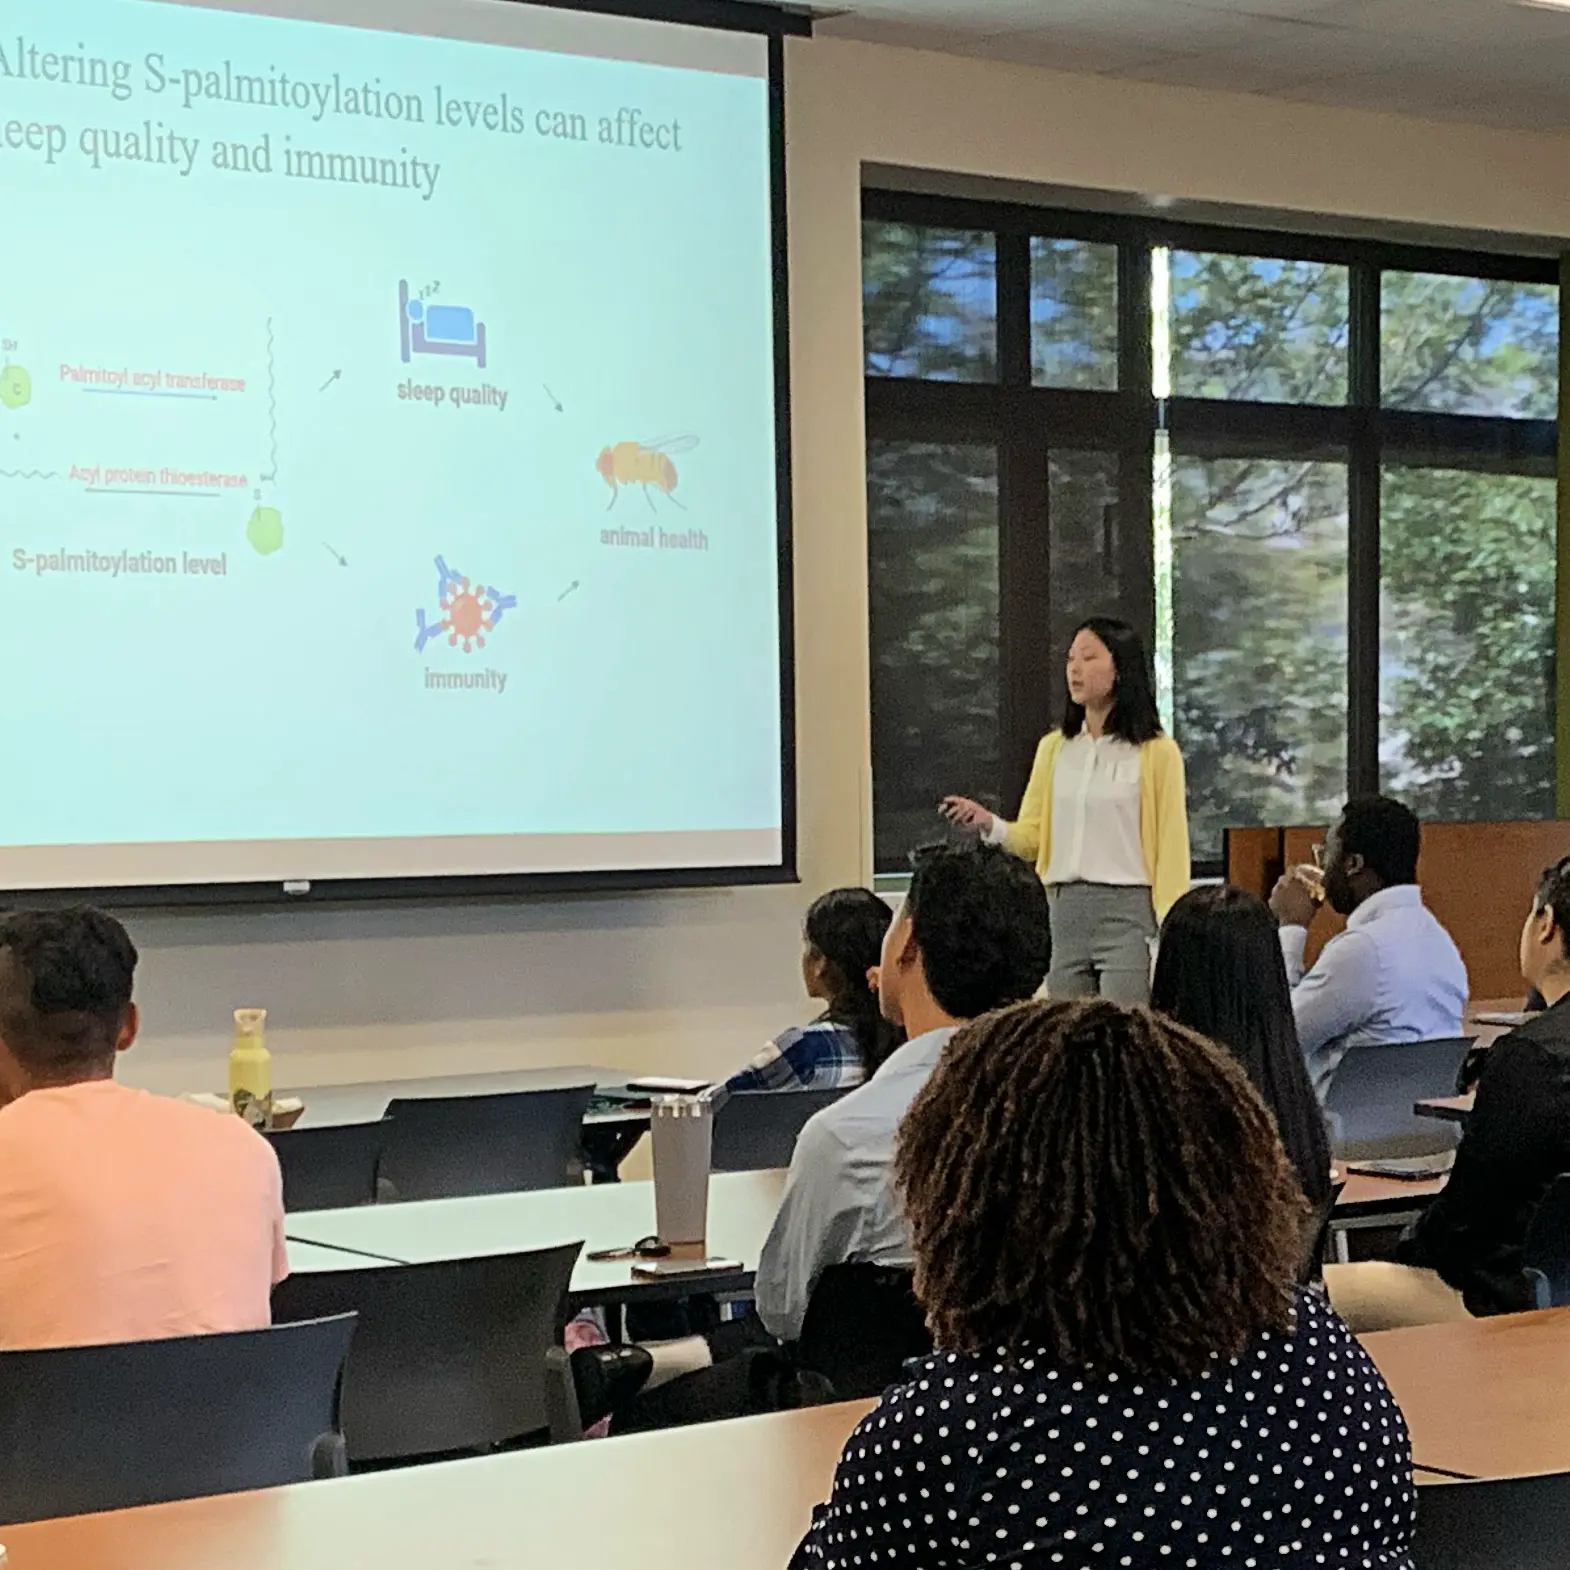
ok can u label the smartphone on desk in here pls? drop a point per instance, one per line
(1406, 1169)
(672, 1269)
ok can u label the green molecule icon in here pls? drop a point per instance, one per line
(265, 531)
(16, 387)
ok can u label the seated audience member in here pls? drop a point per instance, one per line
(1465, 1253)
(124, 1216)
(1466, 1080)
(843, 936)
(1394, 974)
(1106, 1233)
(1219, 971)
(970, 936)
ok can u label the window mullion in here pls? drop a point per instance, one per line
(1363, 382)
(1014, 310)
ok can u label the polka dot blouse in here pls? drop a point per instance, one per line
(1294, 1455)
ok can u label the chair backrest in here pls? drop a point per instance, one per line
(1316, 1234)
(1507, 1523)
(755, 1130)
(457, 1355)
(1545, 1255)
(329, 1168)
(862, 1324)
(1369, 1103)
(443, 1147)
(138, 1422)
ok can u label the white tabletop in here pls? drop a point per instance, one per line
(606, 1215)
(326, 1105)
(308, 1259)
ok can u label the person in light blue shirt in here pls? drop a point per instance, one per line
(971, 936)
(1395, 973)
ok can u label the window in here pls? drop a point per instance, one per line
(1085, 546)
(932, 519)
(1319, 474)
(1259, 641)
(1469, 345)
(1258, 328)
(931, 302)
(1466, 643)
(1073, 313)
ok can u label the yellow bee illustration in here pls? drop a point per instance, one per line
(643, 463)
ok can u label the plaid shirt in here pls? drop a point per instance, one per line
(818, 1056)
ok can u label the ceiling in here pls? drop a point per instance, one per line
(1484, 62)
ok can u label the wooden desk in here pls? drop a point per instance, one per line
(1366, 1195)
(719, 1496)
(1445, 1109)
(741, 1211)
(1368, 1201)
(1485, 1397)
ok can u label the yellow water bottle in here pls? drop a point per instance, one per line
(251, 1069)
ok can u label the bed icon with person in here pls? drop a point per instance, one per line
(426, 328)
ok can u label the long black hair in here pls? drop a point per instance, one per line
(846, 927)
(1134, 716)
(1219, 971)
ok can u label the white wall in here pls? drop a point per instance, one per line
(688, 982)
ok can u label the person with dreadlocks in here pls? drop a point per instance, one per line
(1106, 1234)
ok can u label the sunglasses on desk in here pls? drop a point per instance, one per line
(644, 1248)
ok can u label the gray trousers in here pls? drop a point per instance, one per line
(1101, 937)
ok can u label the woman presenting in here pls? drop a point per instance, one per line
(1103, 819)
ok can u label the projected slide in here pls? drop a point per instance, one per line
(387, 445)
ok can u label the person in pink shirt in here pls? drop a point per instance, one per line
(124, 1216)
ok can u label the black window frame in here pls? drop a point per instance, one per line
(1026, 421)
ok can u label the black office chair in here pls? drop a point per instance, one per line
(443, 1147)
(1317, 1234)
(1505, 1523)
(1369, 1103)
(329, 1168)
(755, 1130)
(459, 1355)
(1545, 1256)
(139, 1422)
(862, 1325)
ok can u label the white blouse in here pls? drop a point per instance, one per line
(1095, 814)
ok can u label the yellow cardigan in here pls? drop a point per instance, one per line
(1163, 817)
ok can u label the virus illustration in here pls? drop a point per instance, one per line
(467, 612)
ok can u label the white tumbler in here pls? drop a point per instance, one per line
(680, 1127)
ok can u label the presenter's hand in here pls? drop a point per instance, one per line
(965, 812)
(1292, 901)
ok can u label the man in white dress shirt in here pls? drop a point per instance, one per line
(1395, 973)
(971, 936)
